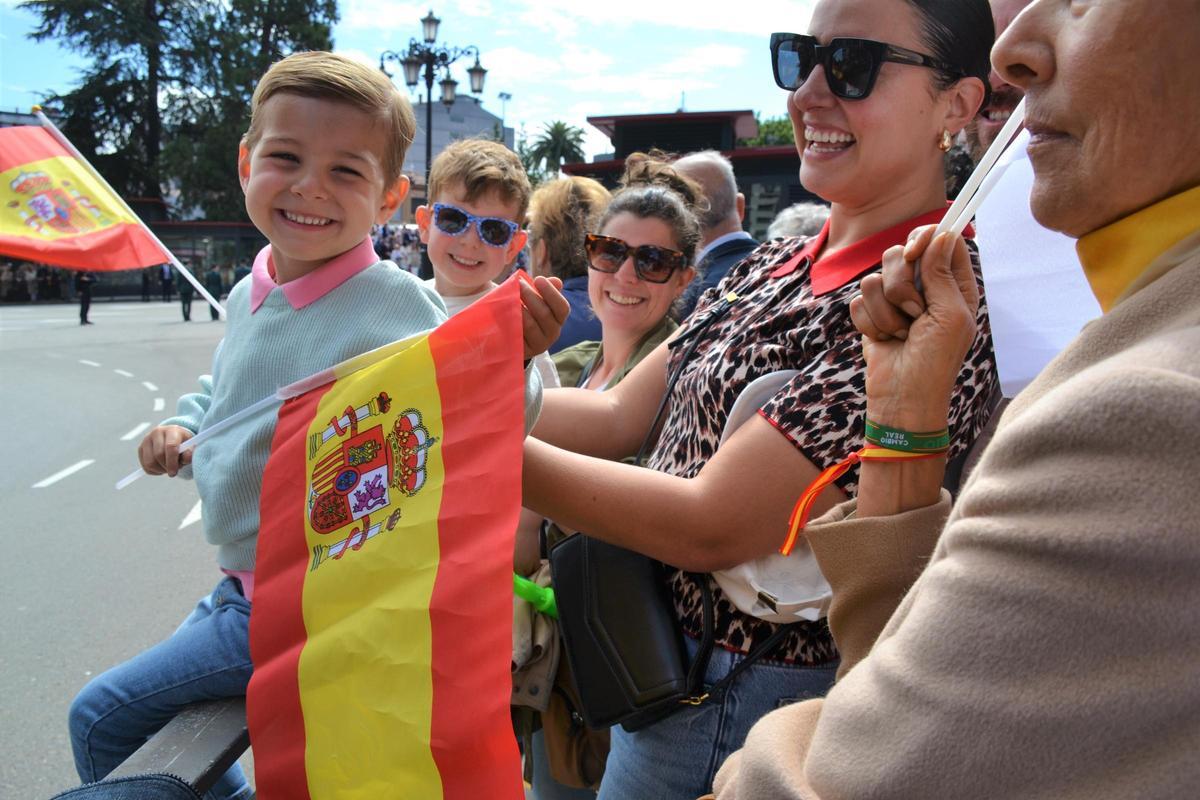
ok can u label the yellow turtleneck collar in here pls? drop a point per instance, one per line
(1114, 256)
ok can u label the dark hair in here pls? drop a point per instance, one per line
(652, 189)
(959, 32)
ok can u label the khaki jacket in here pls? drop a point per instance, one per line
(1051, 646)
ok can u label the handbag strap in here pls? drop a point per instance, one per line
(692, 337)
(708, 639)
(755, 655)
(707, 642)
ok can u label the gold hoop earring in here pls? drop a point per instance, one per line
(946, 142)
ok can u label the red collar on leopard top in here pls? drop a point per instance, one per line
(834, 270)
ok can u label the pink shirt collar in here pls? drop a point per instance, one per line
(314, 285)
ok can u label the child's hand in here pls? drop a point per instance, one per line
(545, 310)
(159, 451)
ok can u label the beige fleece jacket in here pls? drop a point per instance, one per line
(1051, 648)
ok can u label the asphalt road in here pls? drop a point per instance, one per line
(89, 576)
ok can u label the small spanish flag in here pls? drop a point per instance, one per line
(381, 631)
(54, 210)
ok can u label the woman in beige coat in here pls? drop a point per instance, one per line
(1051, 645)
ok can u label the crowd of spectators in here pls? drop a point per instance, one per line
(24, 282)
(399, 243)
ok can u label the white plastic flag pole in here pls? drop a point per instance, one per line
(977, 188)
(339, 370)
(963, 208)
(989, 183)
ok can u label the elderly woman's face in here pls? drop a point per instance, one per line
(1112, 92)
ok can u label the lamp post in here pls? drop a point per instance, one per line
(504, 98)
(428, 57)
(424, 59)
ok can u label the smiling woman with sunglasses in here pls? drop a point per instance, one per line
(639, 263)
(878, 88)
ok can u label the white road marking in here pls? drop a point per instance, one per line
(150, 386)
(123, 372)
(192, 518)
(136, 432)
(159, 404)
(58, 476)
(89, 363)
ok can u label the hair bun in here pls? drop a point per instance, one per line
(654, 169)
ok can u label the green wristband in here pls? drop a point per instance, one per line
(906, 441)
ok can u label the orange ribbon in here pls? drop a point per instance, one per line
(804, 505)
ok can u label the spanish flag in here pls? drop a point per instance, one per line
(381, 631)
(55, 210)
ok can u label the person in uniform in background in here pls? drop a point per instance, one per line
(212, 282)
(185, 298)
(83, 286)
(168, 282)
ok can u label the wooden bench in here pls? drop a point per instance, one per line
(197, 746)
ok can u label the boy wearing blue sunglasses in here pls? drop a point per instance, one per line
(478, 196)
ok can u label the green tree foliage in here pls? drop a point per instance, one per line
(772, 131)
(558, 143)
(114, 116)
(533, 167)
(166, 97)
(234, 44)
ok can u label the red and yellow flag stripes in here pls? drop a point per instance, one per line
(54, 210)
(381, 631)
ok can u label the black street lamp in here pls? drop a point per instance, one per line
(427, 57)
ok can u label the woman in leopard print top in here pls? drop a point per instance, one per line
(877, 159)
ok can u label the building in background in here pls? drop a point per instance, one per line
(465, 119)
(769, 177)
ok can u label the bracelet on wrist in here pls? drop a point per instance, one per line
(907, 441)
(803, 507)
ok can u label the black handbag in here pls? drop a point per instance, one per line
(621, 635)
(620, 632)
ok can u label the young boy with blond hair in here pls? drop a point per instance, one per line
(478, 196)
(320, 164)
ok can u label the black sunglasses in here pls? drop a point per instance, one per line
(851, 65)
(652, 264)
(453, 221)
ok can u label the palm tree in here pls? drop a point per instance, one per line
(557, 144)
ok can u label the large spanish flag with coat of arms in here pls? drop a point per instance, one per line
(54, 210)
(381, 632)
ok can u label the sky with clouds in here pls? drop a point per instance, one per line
(559, 61)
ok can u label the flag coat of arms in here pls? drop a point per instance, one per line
(54, 210)
(381, 631)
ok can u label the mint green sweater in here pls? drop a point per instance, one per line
(273, 347)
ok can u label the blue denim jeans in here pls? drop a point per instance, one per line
(207, 658)
(678, 757)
